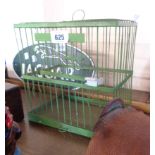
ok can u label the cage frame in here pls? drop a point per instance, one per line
(30, 78)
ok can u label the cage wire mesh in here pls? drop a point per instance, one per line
(71, 69)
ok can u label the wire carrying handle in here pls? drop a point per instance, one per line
(78, 11)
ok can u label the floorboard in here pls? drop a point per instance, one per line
(42, 140)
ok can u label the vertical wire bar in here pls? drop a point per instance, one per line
(83, 111)
(106, 54)
(52, 46)
(124, 75)
(81, 30)
(57, 103)
(103, 53)
(133, 47)
(59, 46)
(88, 44)
(40, 96)
(114, 65)
(76, 44)
(31, 31)
(128, 56)
(130, 88)
(76, 54)
(105, 60)
(51, 99)
(47, 63)
(44, 95)
(130, 52)
(118, 59)
(127, 97)
(128, 47)
(121, 59)
(133, 51)
(125, 48)
(127, 92)
(63, 104)
(126, 84)
(127, 51)
(70, 110)
(91, 44)
(26, 95)
(122, 89)
(81, 47)
(97, 55)
(106, 57)
(29, 95)
(109, 53)
(76, 109)
(90, 115)
(97, 61)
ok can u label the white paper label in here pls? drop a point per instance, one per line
(93, 81)
(59, 37)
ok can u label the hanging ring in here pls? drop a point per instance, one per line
(76, 11)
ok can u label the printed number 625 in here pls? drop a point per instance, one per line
(59, 37)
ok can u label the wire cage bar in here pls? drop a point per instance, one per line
(71, 69)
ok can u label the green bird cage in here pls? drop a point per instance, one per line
(71, 69)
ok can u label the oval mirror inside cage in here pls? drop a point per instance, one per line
(54, 61)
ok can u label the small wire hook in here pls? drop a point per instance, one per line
(76, 11)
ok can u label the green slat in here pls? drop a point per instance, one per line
(90, 68)
(89, 100)
(79, 38)
(73, 37)
(56, 124)
(74, 84)
(66, 83)
(42, 37)
(78, 23)
(61, 75)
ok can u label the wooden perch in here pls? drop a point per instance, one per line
(141, 106)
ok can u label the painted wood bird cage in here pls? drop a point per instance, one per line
(71, 69)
